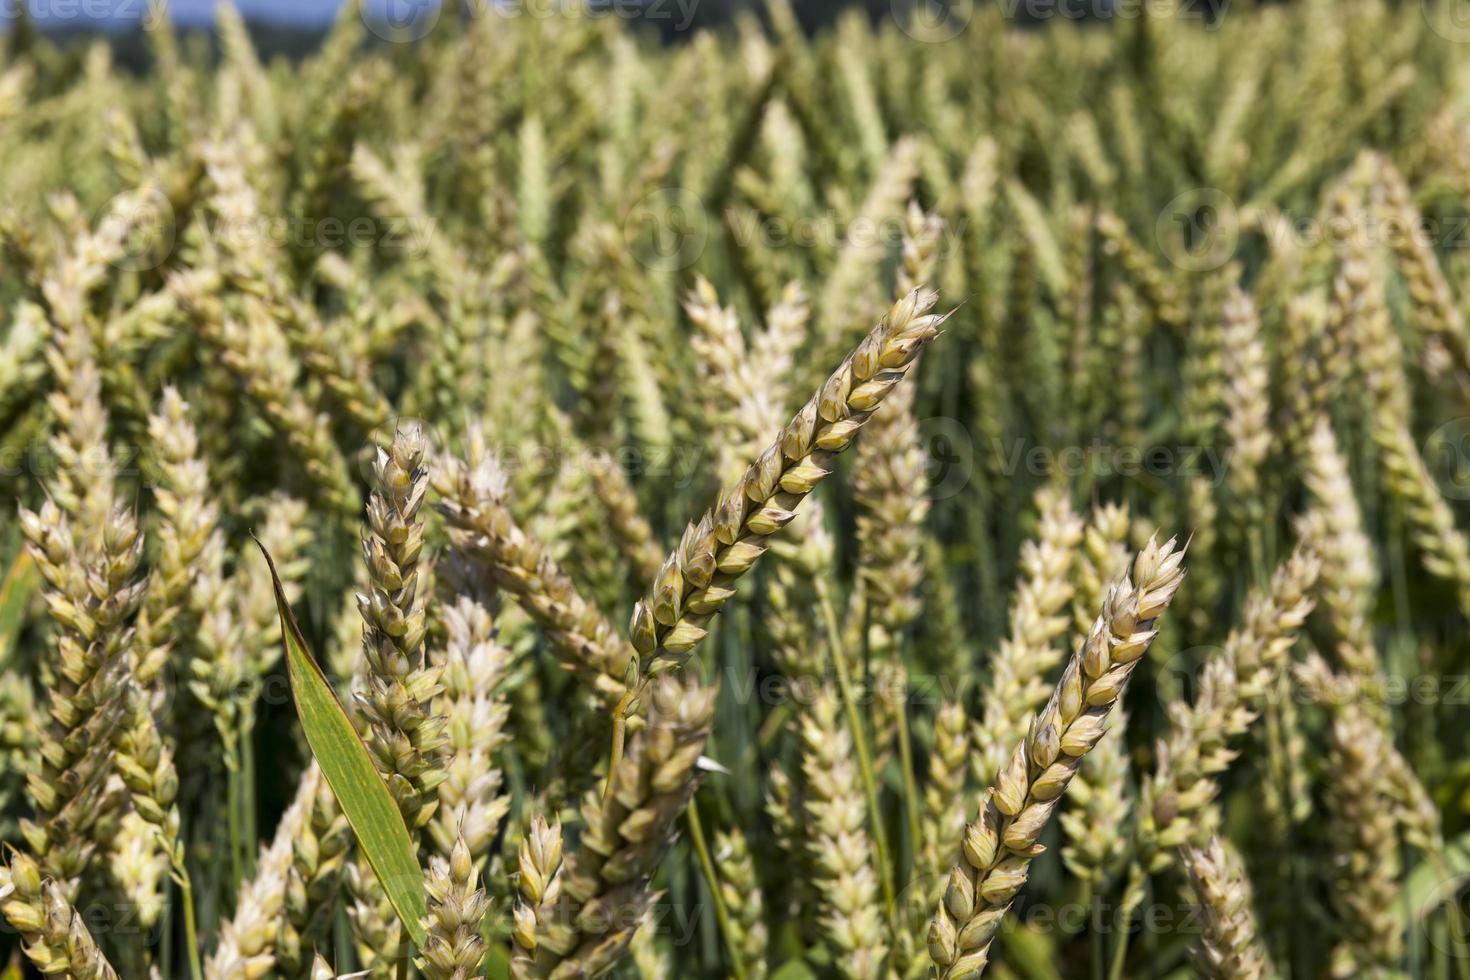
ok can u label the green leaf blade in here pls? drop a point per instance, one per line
(349, 771)
(16, 590)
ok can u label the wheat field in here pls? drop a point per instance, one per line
(978, 490)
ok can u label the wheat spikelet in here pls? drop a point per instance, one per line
(1000, 843)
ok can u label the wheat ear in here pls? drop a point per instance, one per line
(742, 895)
(538, 887)
(699, 577)
(247, 941)
(839, 844)
(482, 528)
(457, 906)
(53, 934)
(92, 597)
(1367, 852)
(1229, 947)
(471, 801)
(999, 845)
(1020, 664)
(1232, 686)
(605, 884)
(313, 880)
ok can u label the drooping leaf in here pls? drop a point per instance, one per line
(349, 771)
